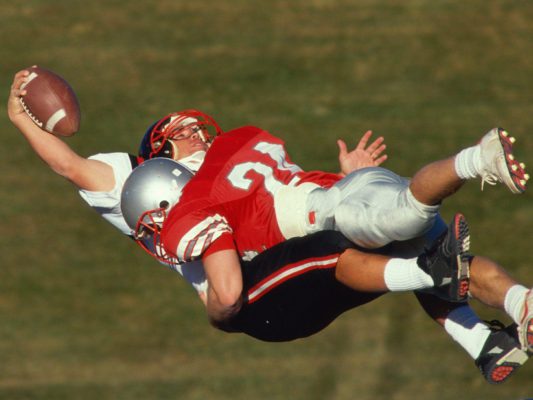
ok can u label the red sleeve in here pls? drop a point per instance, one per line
(223, 242)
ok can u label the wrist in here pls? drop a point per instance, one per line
(18, 118)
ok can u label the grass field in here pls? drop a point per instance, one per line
(86, 315)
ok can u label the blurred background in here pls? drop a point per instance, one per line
(85, 314)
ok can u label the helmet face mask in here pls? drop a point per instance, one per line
(148, 231)
(148, 195)
(176, 126)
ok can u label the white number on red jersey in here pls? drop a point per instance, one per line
(277, 154)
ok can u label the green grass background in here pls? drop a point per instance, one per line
(84, 314)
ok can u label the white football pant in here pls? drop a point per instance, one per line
(372, 207)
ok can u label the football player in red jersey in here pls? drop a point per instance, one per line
(231, 208)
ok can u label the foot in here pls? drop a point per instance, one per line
(502, 354)
(525, 330)
(448, 261)
(498, 162)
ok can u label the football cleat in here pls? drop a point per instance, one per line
(525, 330)
(447, 261)
(498, 162)
(502, 354)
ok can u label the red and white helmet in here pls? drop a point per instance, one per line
(155, 140)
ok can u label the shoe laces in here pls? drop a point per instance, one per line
(495, 325)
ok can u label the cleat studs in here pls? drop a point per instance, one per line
(523, 182)
(504, 133)
(526, 177)
(522, 165)
(514, 167)
(511, 157)
(512, 139)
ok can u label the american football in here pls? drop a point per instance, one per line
(51, 103)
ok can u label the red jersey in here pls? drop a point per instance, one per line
(229, 203)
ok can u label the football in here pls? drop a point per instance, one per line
(50, 102)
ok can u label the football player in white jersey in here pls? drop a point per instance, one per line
(100, 179)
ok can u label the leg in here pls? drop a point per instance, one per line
(493, 286)
(290, 289)
(496, 349)
(489, 282)
(444, 266)
(362, 271)
(371, 207)
(435, 182)
(492, 160)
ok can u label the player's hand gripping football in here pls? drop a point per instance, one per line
(362, 156)
(14, 107)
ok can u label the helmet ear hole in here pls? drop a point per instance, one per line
(164, 204)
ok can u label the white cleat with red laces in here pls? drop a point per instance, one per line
(499, 164)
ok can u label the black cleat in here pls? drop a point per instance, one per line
(502, 354)
(448, 262)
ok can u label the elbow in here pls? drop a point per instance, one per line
(222, 308)
(64, 168)
(229, 299)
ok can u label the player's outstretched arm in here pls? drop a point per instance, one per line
(362, 156)
(224, 295)
(85, 174)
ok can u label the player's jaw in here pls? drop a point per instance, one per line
(186, 147)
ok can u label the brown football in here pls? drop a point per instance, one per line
(50, 102)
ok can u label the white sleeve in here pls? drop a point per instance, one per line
(107, 204)
(194, 273)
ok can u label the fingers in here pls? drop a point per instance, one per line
(375, 149)
(375, 153)
(18, 81)
(343, 150)
(376, 145)
(380, 160)
(14, 106)
(364, 140)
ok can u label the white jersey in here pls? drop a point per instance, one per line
(107, 204)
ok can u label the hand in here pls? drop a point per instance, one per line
(361, 156)
(14, 107)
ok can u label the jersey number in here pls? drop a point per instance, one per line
(277, 154)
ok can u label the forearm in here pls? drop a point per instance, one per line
(224, 296)
(85, 174)
(52, 150)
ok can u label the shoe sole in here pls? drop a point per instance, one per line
(526, 327)
(529, 335)
(516, 178)
(507, 365)
(461, 284)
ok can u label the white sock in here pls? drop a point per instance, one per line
(405, 274)
(468, 162)
(465, 327)
(514, 302)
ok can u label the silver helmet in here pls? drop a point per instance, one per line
(149, 193)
